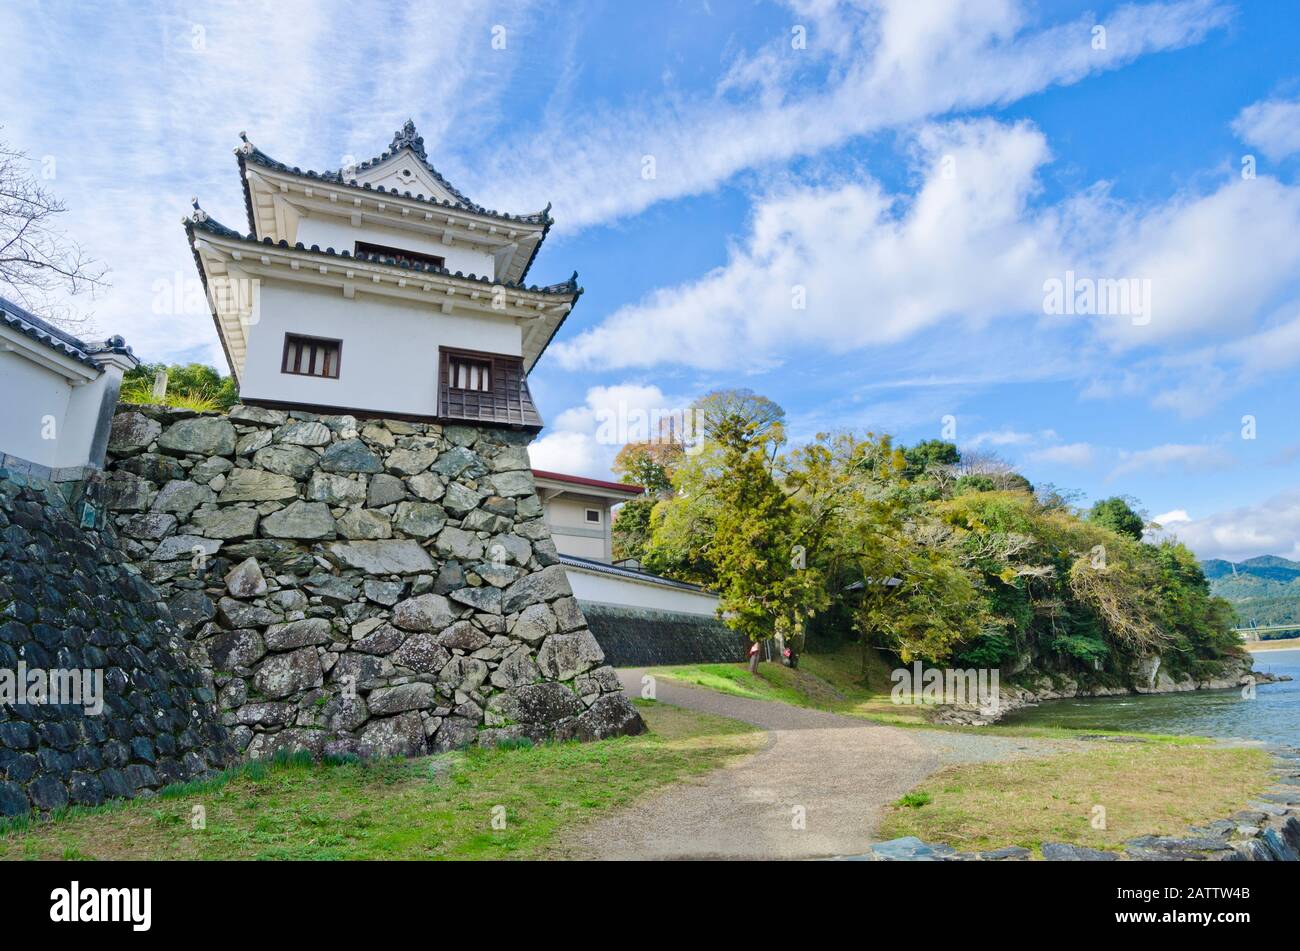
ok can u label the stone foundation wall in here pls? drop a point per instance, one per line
(371, 587)
(70, 600)
(640, 637)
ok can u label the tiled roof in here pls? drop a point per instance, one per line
(202, 221)
(631, 574)
(27, 323)
(594, 483)
(404, 138)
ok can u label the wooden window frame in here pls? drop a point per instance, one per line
(506, 402)
(361, 248)
(456, 360)
(308, 338)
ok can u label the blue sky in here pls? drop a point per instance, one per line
(915, 171)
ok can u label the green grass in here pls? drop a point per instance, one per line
(437, 807)
(1145, 789)
(831, 681)
(141, 394)
(835, 682)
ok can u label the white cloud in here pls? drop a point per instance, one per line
(1005, 437)
(583, 440)
(891, 63)
(1166, 519)
(1180, 456)
(1078, 454)
(873, 268)
(1272, 126)
(1196, 381)
(1214, 261)
(1271, 527)
(972, 245)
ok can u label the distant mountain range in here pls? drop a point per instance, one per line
(1264, 590)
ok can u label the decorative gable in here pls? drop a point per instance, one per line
(404, 172)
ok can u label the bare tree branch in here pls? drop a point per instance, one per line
(39, 264)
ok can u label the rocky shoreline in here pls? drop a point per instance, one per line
(1147, 678)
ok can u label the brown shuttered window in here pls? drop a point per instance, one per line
(485, 388)
(311, 356)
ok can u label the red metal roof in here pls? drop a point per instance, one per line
(594, 483)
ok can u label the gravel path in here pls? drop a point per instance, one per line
(840, 770)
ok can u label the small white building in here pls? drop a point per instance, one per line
(378, 290)
(639, 618)
(58, 394)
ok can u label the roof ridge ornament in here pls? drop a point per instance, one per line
(407, 137)
(200, 216)
(247, 148)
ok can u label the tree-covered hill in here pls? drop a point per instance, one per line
(1263, 591)
(924, 552)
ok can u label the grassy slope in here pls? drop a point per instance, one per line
(835, 682)
(1146, 789)
(437, 807)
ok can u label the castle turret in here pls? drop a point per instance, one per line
(379, 290)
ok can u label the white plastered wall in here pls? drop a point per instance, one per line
(389, 348)
(625, 592)
(566, 517)
(337, 233)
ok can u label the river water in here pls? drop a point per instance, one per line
(1272, 716)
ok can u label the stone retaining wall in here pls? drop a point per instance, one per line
(372, 587)
(639, 637)
(71, 601)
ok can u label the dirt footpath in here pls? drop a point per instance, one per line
(831, 774)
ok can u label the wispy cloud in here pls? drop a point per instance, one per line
(1074, 455)
(1180, 457)
(1272, 126)
(584, 439)
(850, 266)
(892, 63)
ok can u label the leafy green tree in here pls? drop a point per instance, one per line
(765, 587)
(1116, 514)
(974, 483)
(632, 530)
(925, 456)
(649, 464)
(991, 571)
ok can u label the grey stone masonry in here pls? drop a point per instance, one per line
(374, 587)
(72, 605)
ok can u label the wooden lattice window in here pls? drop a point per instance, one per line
(465, 373)
(400, 255)
(311, 356)
(485, 388)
